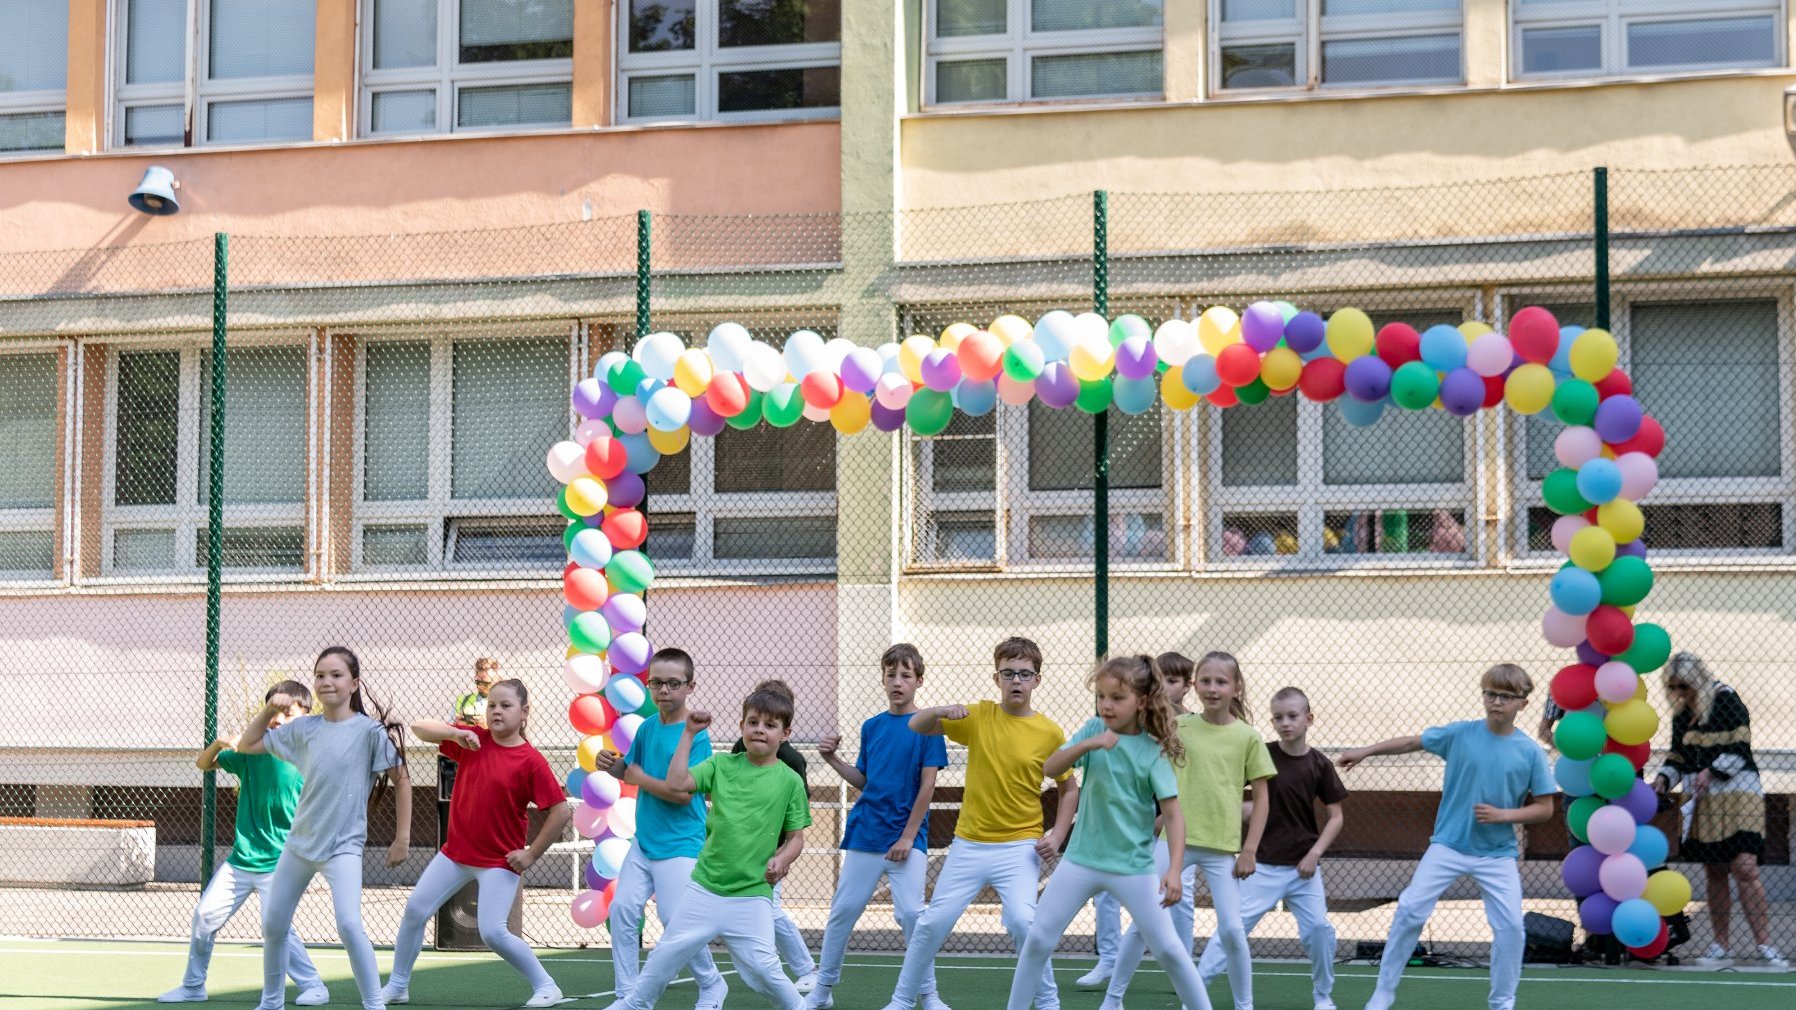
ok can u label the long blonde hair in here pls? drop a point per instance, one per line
(1141, 675)
(1237, 704)
(1687, 668)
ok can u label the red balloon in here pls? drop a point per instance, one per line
(1590, 517)
(1224, 396)
(1650, 439)
(1574, 687)
(605, 457)
(1399, 344)
(629, 789)
(1323, 379)
(1616, 383)
(587, 714)
(1534, 334)
(1610, 631)
(727, 395)
(1493, 391)
(821, 390)
(1637, 754)
(1238, 365)
(626, 529)
(1655, 948)
(585, 589)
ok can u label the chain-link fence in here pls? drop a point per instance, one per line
(389, 400)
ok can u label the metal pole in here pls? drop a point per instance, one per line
(214, 542)
(1100, 432)
(644, 222)
(1602, 248)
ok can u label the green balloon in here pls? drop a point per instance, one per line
(624, 377)
(751, 415)
(1574, 402)
(1626, 581)
(1561, 492)
(647, 708)
(1612, 776)
(1414, 386)
(567, 535)
(1577, 815)
(1094, 397)
(1579, 736)
(589, 632)
(561, 506)
(1254, 392)
(928, 412)
(782, 406)
(1129, 325)
(1651, 648)
(629, 572)
(1023, 361)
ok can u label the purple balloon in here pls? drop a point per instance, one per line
(625, 612)
(941, 370)
(1057, 386)
(1618, 418)
(887, 419)
(1304, 332)
(861, 369)
(1462, 392)
(629, 653)
(1135, 358)
(1589, 656)
(703, 420)
(1581, 869)
(1368, 379)
(1262, 325)
(593, 398)
(594, 882)
(1640, 801)
(1635, 548)
(1596, 911)
(625, 490)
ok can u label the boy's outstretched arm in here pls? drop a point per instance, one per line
(928, 721)
(1395, 745)
(827, 748)
(208, 758)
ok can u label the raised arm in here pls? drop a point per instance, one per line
(1395, 745)
(1062, 761)
(250, 741)
(928, 721)
(826, 748)
(433, 731)
(208, 758)
(679, 774)
(402, 814)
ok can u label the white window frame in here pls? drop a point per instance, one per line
(187, 517)
(41, 520)
(1312, 497)
(1310, 29)
(1526, 494)
(448, 77)
(438, 511)
(1615, 16)
(17, 103)
(197, 93)
(706, 59)
(1019, 46)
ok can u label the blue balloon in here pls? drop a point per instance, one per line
(1359, 413)
(568, 613)
(1573, 776)
(975, 399)
(1575, 591)
(1200, 375)
(1599, 480)
(639, 456)
(1134, 396)
(590, 549)
(1651, 846)
(1443, 348)
(1318, 351)
(575, 779)
(1635, 922)
(647, 387)
(1561, 363)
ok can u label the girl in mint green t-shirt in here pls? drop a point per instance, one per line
(1125, 761)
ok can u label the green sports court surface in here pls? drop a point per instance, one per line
(101, 975)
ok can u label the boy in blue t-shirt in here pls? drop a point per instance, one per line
(1496, 778)
(670, 830)
(888, 828)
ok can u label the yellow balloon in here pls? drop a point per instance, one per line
(1349, 334)
(1592, 548)
(1632, 723)
(851, 413)
(585, 495)
(589, 752)
(1529, 389)
(955, 333)
(1472, 329)
(1091, 358)
(1011, 329)
(1629, 609)
(667, 443)
(911, 353)
(1639, 688)
(1173, 392)
(571, 652)
(1621, 518)
(692, 372)
(1668, 890)
(1218, 327)
(1593, 355)
(1281, 368)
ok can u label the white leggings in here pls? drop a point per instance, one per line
(789, 940)
(1499, 881)
(1109, 928)
(1225, 894)
(640, 879)
(229, 888)
(1010, 868)
(1305, 899)
(854, 888)
(1068, 890)
(439, 882)
(291, 875)
(744, 924)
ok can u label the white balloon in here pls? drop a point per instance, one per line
(590, 430)
(1175, 342)
(727, 344)
(585, 674)
(1054, 333)
(888, 358)
(893, 391)
(567, 460)
(657, 352)
(835, 352)
(763, 367)
(804, 353)
(601, 369)
(1089, 326)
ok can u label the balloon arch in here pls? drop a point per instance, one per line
(638, 406)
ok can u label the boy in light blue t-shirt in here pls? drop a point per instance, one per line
(1495, 779)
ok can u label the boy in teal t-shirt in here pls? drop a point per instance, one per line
(267, 791)
(759, 810)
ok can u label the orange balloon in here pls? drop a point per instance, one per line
(981, 356)
(588, 714)
(584, 589)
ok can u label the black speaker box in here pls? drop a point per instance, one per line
(1549, 940)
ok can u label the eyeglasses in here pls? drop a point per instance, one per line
(1016, 676)
(1503, 696)
(667, 685)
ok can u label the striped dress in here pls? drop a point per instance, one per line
(1730, 816)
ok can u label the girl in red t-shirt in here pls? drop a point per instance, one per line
(499, 775)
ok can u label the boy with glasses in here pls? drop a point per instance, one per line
(670, 829)
(998, 840)
(1495, 779)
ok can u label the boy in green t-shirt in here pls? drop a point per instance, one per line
(759, 810)
(267, 791)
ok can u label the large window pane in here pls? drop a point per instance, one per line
(516, 105)
(1061, 450)
(508, 409)
(1562, 50)
(34, 48)
(1090, 74)
(155, 46)
(1416, 59)
(405, 33)
(662, 25)
(261, 38)
(1722, 42)
(1259, 443)
(147, 438)
(496, 30)
(27, 431)
(1268, 66)
(966, 458)
(1709, 373)
(265, 425)
(955, 18)
(765, 458)
(1404, 447)
(1086, 15)
(794, 88)
(396, 422)
(247, 122)
(777, 22)
(32, 131)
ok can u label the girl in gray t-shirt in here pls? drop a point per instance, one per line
(343, 754)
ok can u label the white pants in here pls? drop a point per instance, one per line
(1499, 880)
(439, 882)
(1068, 890)
(1010, 868)
(291, 875)
(1225, 894)
(1307, 903)
(746, 927)
(789, 941)
(854, 888)
(640, 879)
(229, 888)
(1108, 939)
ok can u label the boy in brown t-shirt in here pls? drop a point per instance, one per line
(1292, 847)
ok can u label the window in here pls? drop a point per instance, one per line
(1335, 43)
(159, 451)
(251, 72)
(1032, 50)
(440, 66)
(1607, 38)
(729, 59)
(448, 447)
(29, 444)
(34, 57)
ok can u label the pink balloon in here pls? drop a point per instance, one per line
(589, 821)
(1623, 875)
(629, 415)
(1490, 355)
(589, 909)
(1577, 446)
(1564, 528)
(589, 430)
(1611, 831)
(1563, 630)
(892, 392)
(1013, 392)
(1616, 682)
(1639, 473)
(621, 818)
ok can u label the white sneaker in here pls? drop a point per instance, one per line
(712, 999)
(1096, 978)
(933, 1001)
(819, 999)
(1771, 957)
(806, 983)
(1716, 956)
(1325, 1003)
(548, 995)
(1111, 1003)
(315, 996)
(393, 995)
(182, 994)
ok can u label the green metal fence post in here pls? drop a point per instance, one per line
(1602, 248)
(1100, 432)
(644, 222)
(214, 542)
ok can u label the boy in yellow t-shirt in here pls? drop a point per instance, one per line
(998, 842)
